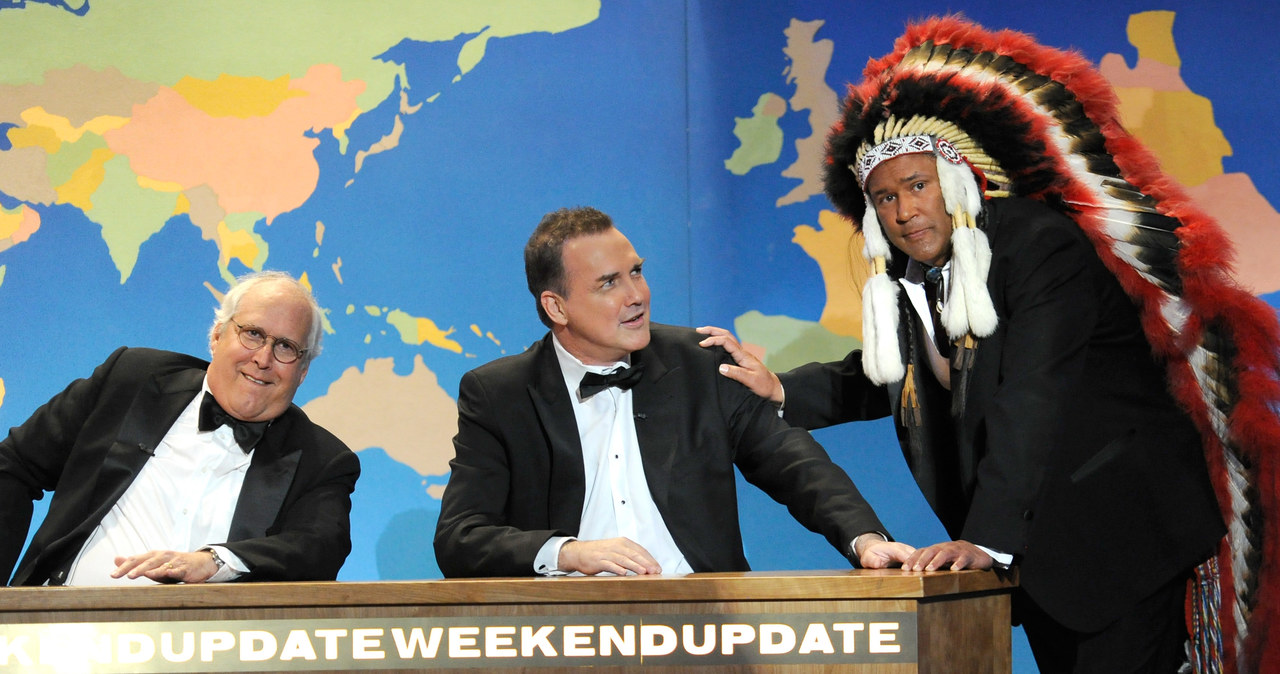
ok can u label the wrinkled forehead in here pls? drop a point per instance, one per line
(280, 308)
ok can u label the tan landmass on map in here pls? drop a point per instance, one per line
(409, 417)
(808, 71)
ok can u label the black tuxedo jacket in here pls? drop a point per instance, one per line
(1070, 452)
(90, 441)
(517, 476)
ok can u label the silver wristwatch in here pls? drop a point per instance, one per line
(217, 561)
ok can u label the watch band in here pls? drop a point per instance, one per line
(217, 560)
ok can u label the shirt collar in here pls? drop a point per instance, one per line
(915, 271)
(573, 369)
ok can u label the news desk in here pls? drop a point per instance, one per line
(809, 621)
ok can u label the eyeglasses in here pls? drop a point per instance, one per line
(253, 338)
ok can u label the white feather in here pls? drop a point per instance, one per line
(876, 245)
(881, 357)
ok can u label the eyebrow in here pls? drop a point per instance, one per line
(613, 275)
(915, 176)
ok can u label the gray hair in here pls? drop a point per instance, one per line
(231, 304)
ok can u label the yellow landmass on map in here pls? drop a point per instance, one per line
(837, 248)
(231, 96)
(1178, 126)
(417, 330)
(16, 226)
(410, 417)
(78, 191)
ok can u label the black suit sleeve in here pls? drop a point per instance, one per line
(475, 535)
(825, 394)
(34, 455)
(792, 468)
(311, 535)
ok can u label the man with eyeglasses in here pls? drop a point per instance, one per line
(167, 468)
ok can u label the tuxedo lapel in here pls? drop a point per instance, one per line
(652, 402)
(554, 409)
(267, 481)
(152, 413)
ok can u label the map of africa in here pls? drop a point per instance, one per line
(396, 154)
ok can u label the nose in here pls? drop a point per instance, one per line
(905, 208)
(262, 357)
(637, 290)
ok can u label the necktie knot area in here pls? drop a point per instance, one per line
(247, 433)
(623, 378)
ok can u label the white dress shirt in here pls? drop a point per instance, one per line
(617, 501)
(182, 499)
(913, 282)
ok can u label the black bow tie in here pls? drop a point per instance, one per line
(624, 378)
(247, 433)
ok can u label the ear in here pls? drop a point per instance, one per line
(553, 304)
(218, 330)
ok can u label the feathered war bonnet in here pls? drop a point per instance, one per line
(1043, 123)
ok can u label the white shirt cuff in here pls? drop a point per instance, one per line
(1002, 558)
(547, 562)
(232, 568)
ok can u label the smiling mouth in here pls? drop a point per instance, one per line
(255, 380)
(634, 319)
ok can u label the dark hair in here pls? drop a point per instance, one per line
(544, 253)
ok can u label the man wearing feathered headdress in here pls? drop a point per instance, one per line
(1076, 381)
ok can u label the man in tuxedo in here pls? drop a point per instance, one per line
(610, 445)
(1051, 443)
(168, 468)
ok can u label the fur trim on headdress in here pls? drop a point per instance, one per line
(1045, 124)
(967, 309)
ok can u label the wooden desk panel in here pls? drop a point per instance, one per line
(960, 619)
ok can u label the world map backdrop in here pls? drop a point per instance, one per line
(397, 154)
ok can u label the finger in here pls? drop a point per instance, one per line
(643, 560)
(727, 342)
(739, 374)
(943, 558)
(153, 568)
(897, 552)
(923, 558)
(123, 565)
(712, 330)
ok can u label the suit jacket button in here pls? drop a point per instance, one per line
(1026, 514)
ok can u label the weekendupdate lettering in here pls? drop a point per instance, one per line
(444, 642)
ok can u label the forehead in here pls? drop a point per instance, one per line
(601, 253)
(277, 307)
(895, 170)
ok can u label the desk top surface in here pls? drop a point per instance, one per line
(738, 586)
